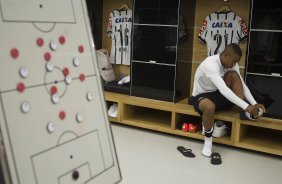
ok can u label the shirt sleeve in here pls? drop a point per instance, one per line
(203, 31)
(241, 29)
(246, 90)
(110, 25)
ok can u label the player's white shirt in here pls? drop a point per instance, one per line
(221, 29)
(209, 78)
(119, 29)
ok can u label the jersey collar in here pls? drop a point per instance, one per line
(218, 59)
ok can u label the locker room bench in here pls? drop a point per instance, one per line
(263, 135)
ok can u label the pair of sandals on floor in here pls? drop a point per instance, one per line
(215, 157)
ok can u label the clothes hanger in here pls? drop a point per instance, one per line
(124, 6)
(223, 9)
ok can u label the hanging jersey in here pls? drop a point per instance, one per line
(221, 29)
(182, 34)
(119, 29)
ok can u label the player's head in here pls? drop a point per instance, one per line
(231, 55)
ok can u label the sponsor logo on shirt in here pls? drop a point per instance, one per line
(222, 25)
(123, 19)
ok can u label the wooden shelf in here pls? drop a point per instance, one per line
(113, 119)
(144, 124)
(263, 135)
(263, 122)
(146, 117)
(261, 139)
(198, 135)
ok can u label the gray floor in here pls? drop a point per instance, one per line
(148, 157)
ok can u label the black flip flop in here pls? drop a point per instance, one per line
(185, 152)
(216, 158)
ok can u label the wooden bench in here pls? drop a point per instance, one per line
(264, 134)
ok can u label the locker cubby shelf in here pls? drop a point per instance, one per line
(263, 135)
(145, 116)
(180, 118)
(258, 138)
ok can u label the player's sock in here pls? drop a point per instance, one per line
(207, 149)
(208, 132)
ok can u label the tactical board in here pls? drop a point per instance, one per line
(53, 117)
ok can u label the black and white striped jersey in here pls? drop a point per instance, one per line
(119, 29)
(221, 29)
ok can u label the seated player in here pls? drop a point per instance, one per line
(218, 85)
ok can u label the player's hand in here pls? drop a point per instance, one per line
(260, 106)
(258, 110)
(254, 112)
(250, 109)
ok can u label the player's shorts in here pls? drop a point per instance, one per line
(221, 103)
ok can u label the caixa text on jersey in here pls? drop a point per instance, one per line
(123, 19)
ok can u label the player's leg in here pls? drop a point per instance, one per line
(207, 107)
(233, 81)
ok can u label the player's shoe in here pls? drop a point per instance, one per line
(112, 112)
